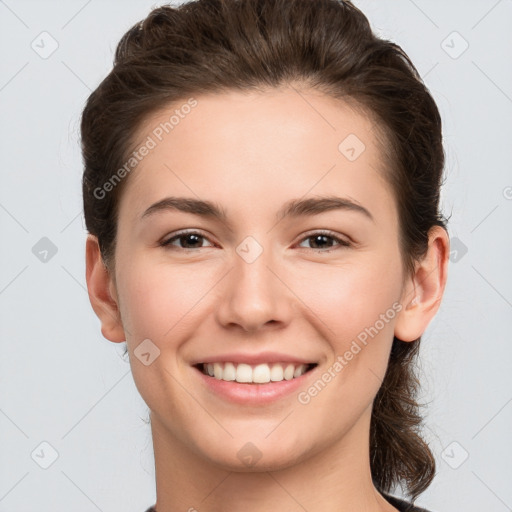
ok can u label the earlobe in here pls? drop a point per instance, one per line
(424, 290)
(102, 293)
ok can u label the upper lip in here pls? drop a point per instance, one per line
(253, 359)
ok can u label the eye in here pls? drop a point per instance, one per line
(324, 240)
(194, 240)
(189, 239)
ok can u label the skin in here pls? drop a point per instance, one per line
(251, 153)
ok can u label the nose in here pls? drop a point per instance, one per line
(253, 296)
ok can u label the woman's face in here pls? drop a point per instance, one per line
(321, 285)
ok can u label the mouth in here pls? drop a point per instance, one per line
(263, 373)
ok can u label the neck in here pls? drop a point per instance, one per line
(336, 478)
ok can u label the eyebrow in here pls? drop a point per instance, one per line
(294, 208)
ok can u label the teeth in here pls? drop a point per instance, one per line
(289, 371)
(217, 370)
(277, 373)
(243, 373)
(261, 374)
(229, 372)
(297, 372)
(258, 374)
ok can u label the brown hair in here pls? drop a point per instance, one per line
(221, 45)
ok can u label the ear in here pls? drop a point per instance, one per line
(102, 292)
(424, 290)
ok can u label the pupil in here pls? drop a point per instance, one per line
(319, 237)
(187, 238)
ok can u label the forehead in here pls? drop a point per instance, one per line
(255, 148)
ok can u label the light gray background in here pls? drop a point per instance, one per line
(63, 384)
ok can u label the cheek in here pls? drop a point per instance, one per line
(357, 309)
(351, 297)
(149, 300)
(356, 305)
(161, 301)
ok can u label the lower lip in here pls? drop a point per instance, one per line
(254, 394)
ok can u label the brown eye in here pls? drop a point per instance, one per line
(187, 240)
(324, 240)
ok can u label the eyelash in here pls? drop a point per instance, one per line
(328, 234)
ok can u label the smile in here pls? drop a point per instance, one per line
(254, 374)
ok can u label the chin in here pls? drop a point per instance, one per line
(264, 464)
(258, 456)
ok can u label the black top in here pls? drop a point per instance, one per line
(401, 505)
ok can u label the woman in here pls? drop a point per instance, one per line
(261, 189)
